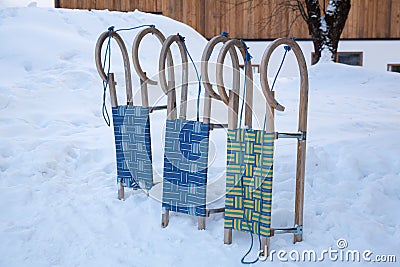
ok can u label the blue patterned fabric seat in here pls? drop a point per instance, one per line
(185, 167)
(133, 146)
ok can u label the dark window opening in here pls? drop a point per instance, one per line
(350, 58)
(393, 67)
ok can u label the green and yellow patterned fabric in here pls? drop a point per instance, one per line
(249, 181)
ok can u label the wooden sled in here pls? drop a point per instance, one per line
(131, 122)
(230, 212)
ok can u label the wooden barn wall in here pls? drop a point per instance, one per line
(257, 19)
(114, 5)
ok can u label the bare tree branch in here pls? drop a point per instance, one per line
(302, 10)
(325, 23)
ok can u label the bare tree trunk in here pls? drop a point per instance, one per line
(326, 29)
(313, 19)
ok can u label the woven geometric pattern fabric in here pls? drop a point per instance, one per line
(249, 181)
(133, 146)
(185, 167)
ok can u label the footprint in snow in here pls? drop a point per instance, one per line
(28, 66)
(69, 55)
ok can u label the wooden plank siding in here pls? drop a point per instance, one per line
(395, 18)
(257, 19)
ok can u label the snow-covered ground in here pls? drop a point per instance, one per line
(58, 201)
(24, 3)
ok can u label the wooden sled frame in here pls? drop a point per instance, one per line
(144, 80)
(301, 135)
(211, 94)
(111, 80)
(233, 100)
(272, 104)
(169, 89)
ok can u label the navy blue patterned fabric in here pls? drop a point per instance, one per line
(185, 167)
(133, 146)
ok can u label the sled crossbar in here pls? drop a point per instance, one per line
(156, 108)
(298, 230)
(301, 136)
(212, 211)
(218, 126)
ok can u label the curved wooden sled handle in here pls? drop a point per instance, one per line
(169, 89)
(125, 57)
(135, 54)
(302, 67)
(233, 100)
(204, 66)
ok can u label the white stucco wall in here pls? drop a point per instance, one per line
(376, 54)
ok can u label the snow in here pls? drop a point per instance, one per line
(58, 198)
(332, 5)
(25, 3)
